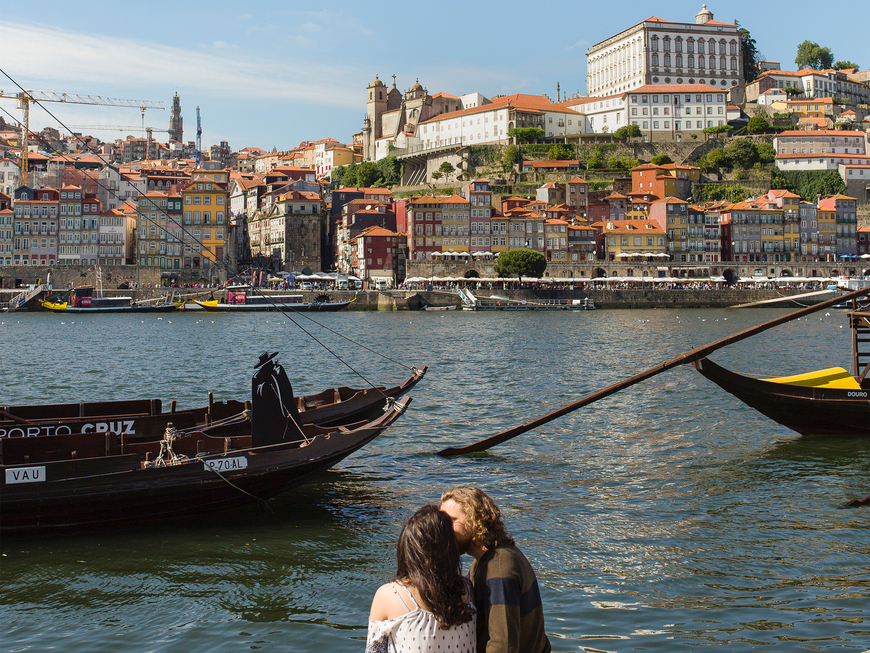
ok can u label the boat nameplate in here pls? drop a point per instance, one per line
(25, 475)
(226, 464)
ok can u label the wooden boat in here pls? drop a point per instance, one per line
(99, 479)
(245, 301)
(439, 308)
(145, 419)
(824, 402)
(84, 300)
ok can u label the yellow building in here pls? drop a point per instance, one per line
(205, 205)
(827, 219)
(634, 240)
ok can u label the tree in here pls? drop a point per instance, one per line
(559, 152)
(718, 129)
(446, 169)
(526, 134)
(346, 175)
(845, 65)
(766, 152)
(661, 159)
(390, 170)
(750, 55)
(757, 124)
(742, 153)
(621, 163)
(792, 90)
(629, 131)
(597, 158)
(717, 158)
(812, 55)
(521, 263)
(367, 174)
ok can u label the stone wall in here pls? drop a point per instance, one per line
(63, 276)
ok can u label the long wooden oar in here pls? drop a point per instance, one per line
(682, 359)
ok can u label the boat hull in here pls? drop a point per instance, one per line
(296, 307)
(145, 308)
(807, 410)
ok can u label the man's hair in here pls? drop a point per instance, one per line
(484, 524)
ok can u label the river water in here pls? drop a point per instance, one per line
(668, 517)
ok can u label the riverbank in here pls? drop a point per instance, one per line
(615, 298)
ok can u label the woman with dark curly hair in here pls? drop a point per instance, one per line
(428, 606)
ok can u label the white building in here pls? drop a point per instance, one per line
(661, 111)
(10, 176)
(658, 51)
(113, 189)
(823, 149)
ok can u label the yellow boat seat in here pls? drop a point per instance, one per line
(833, 377)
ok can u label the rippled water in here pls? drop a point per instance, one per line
(667, 517)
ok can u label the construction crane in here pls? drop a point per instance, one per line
(26, 97)
(198, 139)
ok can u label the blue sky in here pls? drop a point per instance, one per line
(274, 74)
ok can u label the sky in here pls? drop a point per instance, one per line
(274, 74)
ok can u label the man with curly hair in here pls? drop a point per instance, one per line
(510, 616)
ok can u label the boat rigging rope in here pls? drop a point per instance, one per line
(169, 437)
(259, 500)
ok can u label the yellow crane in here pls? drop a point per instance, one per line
(26, 97)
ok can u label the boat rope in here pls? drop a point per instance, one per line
(259, 500)
(205, 248)
(170, 436)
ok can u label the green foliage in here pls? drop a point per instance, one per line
(693, 136)
(511, 156)
(597, 160)
(446, 169)
(812, 55)
(714, 160)
(661, 159)
(600, 184)
(742, 153)
(521, 263)
(367, 174)
(629, 131)
(750, 55)
(345, 175)
(844, 65)
(808, 183)
(437, 175)
(535, 151)
(766, 153)
(718, 129)
(390, 170)
(713, 192)
(526, 134)
(621, 163)
(757, 124)
(559, 152)
(793, 90)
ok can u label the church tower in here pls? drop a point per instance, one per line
(376, 103)
(176, 122)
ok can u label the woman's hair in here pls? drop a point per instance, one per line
(483, 523)
(428, 559)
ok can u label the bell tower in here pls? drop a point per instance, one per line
(376, 103)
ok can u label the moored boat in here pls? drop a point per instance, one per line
(823, 402)
(85, 300)
(101, 477)
(245, 301)
(143, 419)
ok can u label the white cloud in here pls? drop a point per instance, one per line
(109, 66)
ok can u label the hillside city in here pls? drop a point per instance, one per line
(688, 154)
